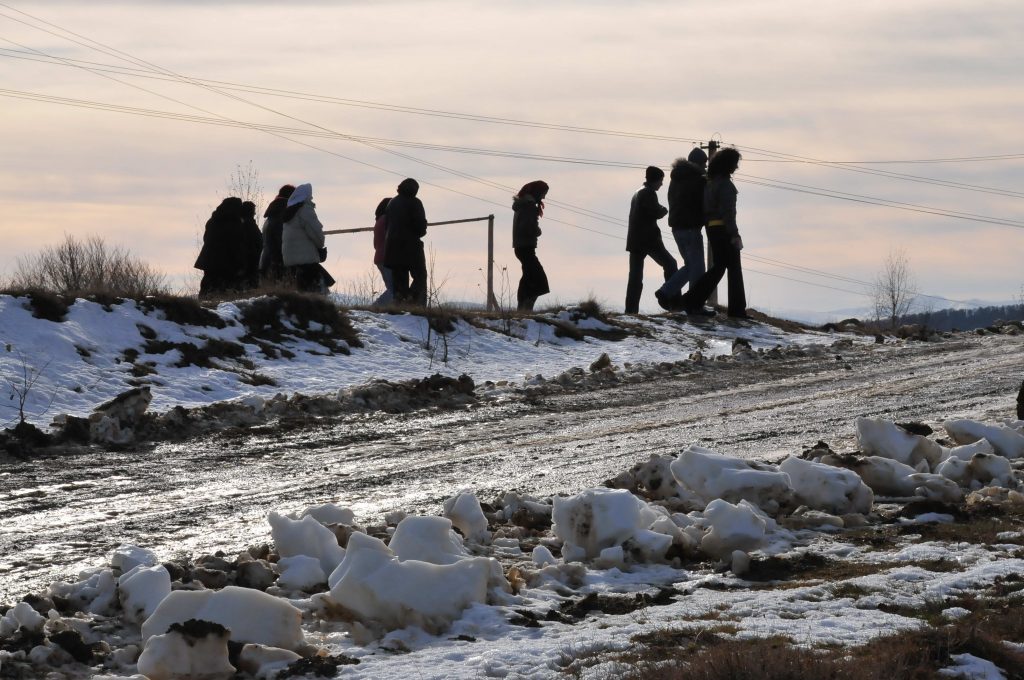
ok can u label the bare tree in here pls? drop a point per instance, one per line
(245, 184)
(89, 265)
(895, 288)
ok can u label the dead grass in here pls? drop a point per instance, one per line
(714, 654)
(43, 303)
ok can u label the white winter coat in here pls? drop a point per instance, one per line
(302, 237)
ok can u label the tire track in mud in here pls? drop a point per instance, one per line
(214, 493)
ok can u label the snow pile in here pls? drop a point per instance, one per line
(983, 459)
(193, 650)
(600, 520)
(709, 476)
(827, 488)
(249, 616)
(307, 537)
(1006, 440)
(375, 592)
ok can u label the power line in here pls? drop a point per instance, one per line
(281, 130)
(192, 118)
(347, 137)
(779, 157)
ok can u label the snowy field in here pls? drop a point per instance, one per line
(820, 549)
(82, 361)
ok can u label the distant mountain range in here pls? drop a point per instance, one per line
(964, 316)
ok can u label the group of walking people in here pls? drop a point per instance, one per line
(237, 256)
(290, 249)
(696, 199)
(699, 195)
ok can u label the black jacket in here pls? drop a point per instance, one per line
(686, 196)
(271, 260)
(525, 222)
(222, 240)
(644, 213)
(407, 224)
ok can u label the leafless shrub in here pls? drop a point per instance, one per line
(88, 266)
(895, 288)
(245, 183)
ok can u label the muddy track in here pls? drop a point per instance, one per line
(57, 515)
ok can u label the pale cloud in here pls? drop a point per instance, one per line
(835, 81)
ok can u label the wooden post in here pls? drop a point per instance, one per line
(490, 263)
(713, 298)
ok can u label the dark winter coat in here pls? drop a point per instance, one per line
(644, 213)
(720, 205)
(222, 240)
(271, 261)
(686, 195)
(251, 246)
(525, 222)
(407, 224)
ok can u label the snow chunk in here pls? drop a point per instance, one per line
(329, 513)
(712, 476)
(21, 615)
(300, 572)
(973, 668)
(263, 662)
(250, 615)
(372, 587)
(180, 654)
(597, 519)
(982, 469)
(306, 536)
(885, 438)
(827, 488)
(465, 513)
(1006, 440)
(127, 557)
(733, 527)
(141, 590)
(427, 539)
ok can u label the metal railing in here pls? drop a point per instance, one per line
(491, 301)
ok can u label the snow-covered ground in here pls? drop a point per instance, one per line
(527, 586)
(80, 362)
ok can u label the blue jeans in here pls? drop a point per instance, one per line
(691, 247)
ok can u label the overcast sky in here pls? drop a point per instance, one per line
(858, 82)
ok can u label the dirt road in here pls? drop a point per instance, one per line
(59, 515)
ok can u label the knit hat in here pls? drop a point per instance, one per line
(697, 156)
(654, 173)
